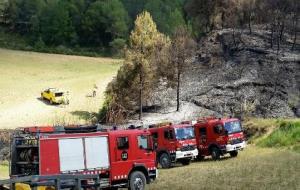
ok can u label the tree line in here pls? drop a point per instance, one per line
(107, 23)
(86, 23)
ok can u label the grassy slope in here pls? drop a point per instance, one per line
(24, 74)
(287, 134)
(254, 168)
(278, 133)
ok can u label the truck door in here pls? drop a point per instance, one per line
(203, 142)
(169, 139)
(145, 147)
(122, 149)
(121, 162)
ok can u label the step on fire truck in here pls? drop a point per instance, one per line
(81, 157)
(174, 143)
(217, 137)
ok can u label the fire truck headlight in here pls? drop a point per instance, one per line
(178, 149)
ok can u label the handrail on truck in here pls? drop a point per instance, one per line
(51, 180)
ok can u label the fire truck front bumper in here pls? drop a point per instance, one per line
(187, 154)
(234, 147)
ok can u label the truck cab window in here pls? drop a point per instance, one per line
(155, 136)
(202, 131)
(168, 134)
(218, 129)
(122, 143)
(143, 142)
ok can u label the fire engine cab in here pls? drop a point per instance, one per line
(119, 158)
(217, 137)
(174, 143)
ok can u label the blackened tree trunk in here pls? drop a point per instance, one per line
(278, 38)
(282, 31)
(272, 34)
(295, 33)
(178, 86)
(141, 96)
(249, 23)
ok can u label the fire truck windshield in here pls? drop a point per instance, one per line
(233, 127)
(184, 133)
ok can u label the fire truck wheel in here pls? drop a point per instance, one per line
(185, 161)
(215, 153)
(164, 160)
(200, 158)
(233, 153)
(137, 181)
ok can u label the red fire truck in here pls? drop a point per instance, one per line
(174, 143)
(217, 137)
(81, 157)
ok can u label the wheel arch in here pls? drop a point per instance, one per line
(160, 152)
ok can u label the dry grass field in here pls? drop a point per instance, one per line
(23, 75)
(254, 168)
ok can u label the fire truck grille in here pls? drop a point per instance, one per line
(187, 148)
(236, 141)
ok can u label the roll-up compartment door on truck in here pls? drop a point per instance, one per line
(96, 152)
(83, 153)
(71, 155)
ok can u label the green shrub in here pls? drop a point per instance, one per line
(10, 40)
(117, 47)
(39, 45)
(286, 135)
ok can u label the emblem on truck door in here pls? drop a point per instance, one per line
(124, 155)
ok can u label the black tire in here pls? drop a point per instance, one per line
(200, 157)
(233, 153)
(137, 181)
(50, 101)
(164, 160)
(185, 162)
(215, 153)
